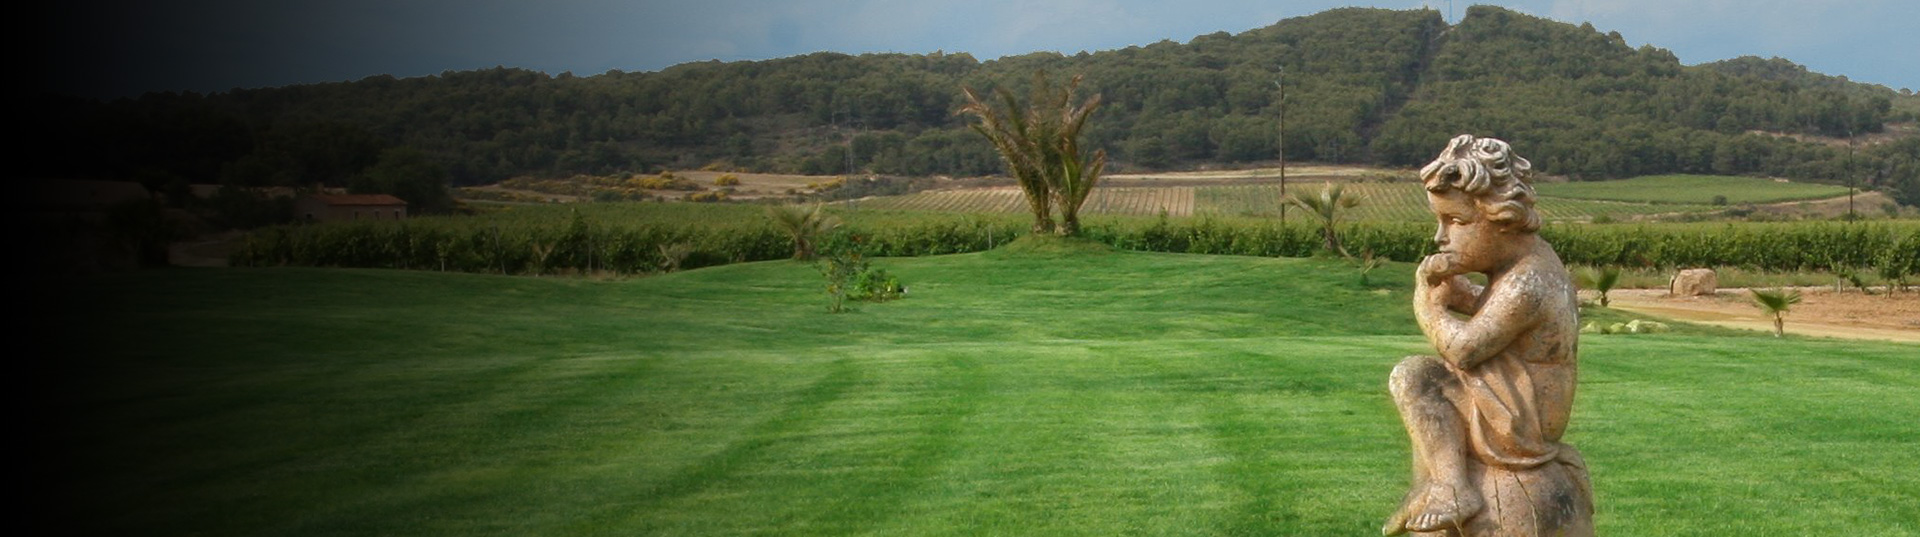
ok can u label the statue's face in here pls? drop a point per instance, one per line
(1475, 243)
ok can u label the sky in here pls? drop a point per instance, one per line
(121, 48)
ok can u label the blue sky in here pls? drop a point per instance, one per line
(109, 48)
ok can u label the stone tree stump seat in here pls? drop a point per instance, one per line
(1550, 500)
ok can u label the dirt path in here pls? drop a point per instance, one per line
(560, 198)
(1821, 312)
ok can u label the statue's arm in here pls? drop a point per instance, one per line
(1466, 343)
(1461, 295)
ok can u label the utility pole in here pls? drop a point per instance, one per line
(1280, 82)
(1850, 179)
(853, 126)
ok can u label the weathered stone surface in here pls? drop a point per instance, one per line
(1694, 282)
(1486, 414)
(1548, 500)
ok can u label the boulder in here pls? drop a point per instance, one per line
(1694, 282)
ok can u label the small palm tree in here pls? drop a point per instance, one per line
(1601, 279)
(1328, 207)
(1776, 303)
(803, 225)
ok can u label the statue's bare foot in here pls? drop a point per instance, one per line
(1445, 507)
(1397, 524)
(1413, 503)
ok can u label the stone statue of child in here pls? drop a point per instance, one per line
(1498, 397)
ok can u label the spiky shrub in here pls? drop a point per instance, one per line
(1776, 303)
(1039, 141)
(1367, 263)
(804, 225)
(1602, 280)
(672, 255)
(1329, 207)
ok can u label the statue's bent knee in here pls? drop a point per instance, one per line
(1416, 376)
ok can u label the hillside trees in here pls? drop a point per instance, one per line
(408, 174)
(1363, 85)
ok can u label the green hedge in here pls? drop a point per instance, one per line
(554, 242)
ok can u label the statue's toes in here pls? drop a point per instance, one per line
(1395, 526)
(1428, 522)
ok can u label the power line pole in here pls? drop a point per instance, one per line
(1280, 82)
(853, 127)
(1850, 178)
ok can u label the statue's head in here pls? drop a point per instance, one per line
(1485, 172)
(1478, 189)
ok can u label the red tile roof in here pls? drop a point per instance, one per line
(358, 199)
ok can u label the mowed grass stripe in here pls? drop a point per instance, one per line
(1806, 424)
(1035, 392)
(878, 462)
(1045, 458)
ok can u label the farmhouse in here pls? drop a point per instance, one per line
(337, 207)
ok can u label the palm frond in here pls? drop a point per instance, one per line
(802, 225)
(1601, 279)
(1776, 301)
(1327, 207)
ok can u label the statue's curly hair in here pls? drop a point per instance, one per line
(1499, 181)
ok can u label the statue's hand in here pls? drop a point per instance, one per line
(1440, 267)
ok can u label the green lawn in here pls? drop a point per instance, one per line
(1038, 393)
(1691, 189)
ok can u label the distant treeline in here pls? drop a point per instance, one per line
(1361, 86)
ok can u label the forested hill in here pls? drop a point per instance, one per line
(1362, 86)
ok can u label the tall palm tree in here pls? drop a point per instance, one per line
(1011, 131)
(803, 225)
(1328, 208)
(1078, 174)
(1039, 141)
(1776, 302)
(1601, 279)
